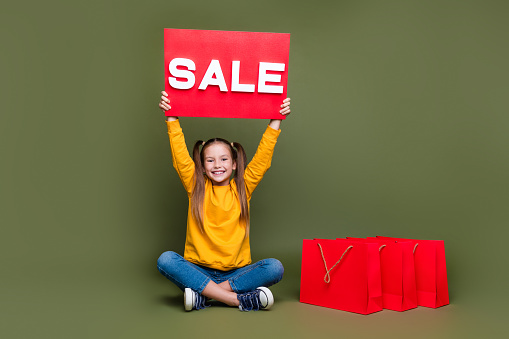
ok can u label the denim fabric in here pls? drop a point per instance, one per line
(184, 274)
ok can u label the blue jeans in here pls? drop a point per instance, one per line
(184, 274)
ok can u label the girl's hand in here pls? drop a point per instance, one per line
(285, 110)
(164, 104)
(285, 107)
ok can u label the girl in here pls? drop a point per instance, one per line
(217, 258)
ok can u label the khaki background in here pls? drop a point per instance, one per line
(399, 127)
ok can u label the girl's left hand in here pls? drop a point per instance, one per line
(285, 107)
(285, 110)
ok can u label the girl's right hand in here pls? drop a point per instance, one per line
(164, 104)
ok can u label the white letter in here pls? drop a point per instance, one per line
(236, 87)
(214, 69)
(263, 77)
(180, 73)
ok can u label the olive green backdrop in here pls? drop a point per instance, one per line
(399, 127)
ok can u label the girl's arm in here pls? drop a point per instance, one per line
(262, 159)
(285, 110)
(181, 159)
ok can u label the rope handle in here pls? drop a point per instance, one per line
(384, 246)
(326, 278)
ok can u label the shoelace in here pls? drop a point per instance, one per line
(250, 301)
(199, 301)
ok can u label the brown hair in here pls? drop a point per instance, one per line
(239, 156)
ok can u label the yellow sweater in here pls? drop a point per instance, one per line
(223, 245)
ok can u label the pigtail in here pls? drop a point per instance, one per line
(241, 160)
(199, 186)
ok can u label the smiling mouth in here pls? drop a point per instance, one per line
(218, 172)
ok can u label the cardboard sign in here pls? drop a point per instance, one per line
(226, 74)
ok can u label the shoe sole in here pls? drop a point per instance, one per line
(188, 299)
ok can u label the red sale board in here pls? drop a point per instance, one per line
(226, 74)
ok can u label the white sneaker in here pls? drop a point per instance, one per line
(259, 299)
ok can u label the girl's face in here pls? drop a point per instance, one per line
(218, 163)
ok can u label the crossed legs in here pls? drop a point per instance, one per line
(222, 286)
(221, 292)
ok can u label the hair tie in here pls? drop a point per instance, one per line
(203, 143)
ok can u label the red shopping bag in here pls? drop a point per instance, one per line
(430, 271)
(341, 274)
(398, 273)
